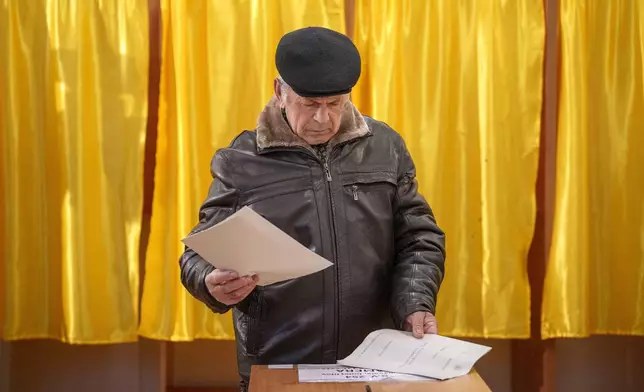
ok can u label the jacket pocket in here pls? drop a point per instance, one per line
(369, 208)
(367, 185)
(276, 189)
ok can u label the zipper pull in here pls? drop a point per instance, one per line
(327, 171)
(355, 192)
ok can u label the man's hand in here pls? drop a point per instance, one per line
(228, 288)
(421, 323)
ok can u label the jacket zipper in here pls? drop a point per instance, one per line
(327, 171)
(255, 313)
(355, 192)
(329, 178)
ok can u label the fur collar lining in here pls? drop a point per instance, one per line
(274, 131)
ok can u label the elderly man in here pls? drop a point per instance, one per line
(343, 185)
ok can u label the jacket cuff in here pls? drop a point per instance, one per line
(404, 310)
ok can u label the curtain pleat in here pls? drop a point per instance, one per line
(595, 277)
(461, 81)
(73, 107)
(217, 72)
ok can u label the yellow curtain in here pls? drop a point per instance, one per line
(595, 277)
(461, 81)
(73, 102)
(218, 66)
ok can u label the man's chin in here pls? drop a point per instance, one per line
(318, 137)
(316, 142)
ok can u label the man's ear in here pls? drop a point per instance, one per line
(277, 88)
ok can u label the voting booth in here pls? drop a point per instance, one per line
(286, 379)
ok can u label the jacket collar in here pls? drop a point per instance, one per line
(274, 131)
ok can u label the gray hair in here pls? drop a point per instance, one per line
(285, 88)
(282, 82)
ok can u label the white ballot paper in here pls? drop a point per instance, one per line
(248, 243)
(433, 356)
(339, 373)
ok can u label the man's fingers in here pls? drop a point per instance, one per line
(236, 284)
(241, 293)
(223, 276)
(431, 326)
(228, 288)
(421, 323)
(416, 323)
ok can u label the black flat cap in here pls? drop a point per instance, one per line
(318, 62)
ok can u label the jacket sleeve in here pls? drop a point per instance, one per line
(420, 247)
(220, 203)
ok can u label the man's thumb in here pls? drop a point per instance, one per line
(417, 324)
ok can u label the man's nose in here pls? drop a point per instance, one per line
(322, 114)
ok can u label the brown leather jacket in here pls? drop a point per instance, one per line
(356, 204)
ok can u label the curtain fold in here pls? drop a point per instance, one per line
(462, 83)
(73, 106)
(595, 278)
(217, 71)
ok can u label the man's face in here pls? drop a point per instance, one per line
(316, 120)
